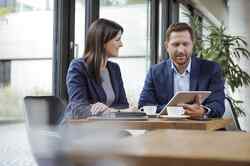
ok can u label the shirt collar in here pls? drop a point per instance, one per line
(188, 69)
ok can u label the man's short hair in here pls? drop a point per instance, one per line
(179, 27)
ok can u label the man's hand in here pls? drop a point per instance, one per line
(195, 110)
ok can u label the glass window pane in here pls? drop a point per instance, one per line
(79, 27)
(183, 12)
(135, 23)
(134, 55)
(26, 30)
(160, 29)
(205, 32)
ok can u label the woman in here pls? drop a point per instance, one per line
(94, 84)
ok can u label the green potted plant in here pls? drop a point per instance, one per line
(224, 49)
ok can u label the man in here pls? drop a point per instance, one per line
(183, 71)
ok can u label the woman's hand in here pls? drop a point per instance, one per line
(98, 108)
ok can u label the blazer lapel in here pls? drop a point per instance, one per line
(112, 73)
(99, 91)
(96, 90)
(170, 79)
(194, 74)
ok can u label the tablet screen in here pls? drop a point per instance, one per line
(186, 97)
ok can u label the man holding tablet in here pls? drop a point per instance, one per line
(183, 71)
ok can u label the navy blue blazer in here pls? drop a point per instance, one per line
(82, 89)
(204, 75)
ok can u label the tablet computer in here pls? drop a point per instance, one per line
(185, 97)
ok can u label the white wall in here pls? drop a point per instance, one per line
(239, 24)
(215, 10)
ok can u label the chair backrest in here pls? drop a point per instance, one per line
(44, 110)
(230, 112)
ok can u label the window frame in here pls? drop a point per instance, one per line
(63, 45)
(5, 72)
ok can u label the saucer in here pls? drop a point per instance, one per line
(175, 116)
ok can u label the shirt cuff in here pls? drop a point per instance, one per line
(207, 110)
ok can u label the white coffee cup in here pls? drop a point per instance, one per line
(175, 110)
(150, 109)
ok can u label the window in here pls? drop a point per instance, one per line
(134, 55)
(135, 24)
(79, 27)
(205, 25)
(26, 53)
(183, 12)
(26, 42)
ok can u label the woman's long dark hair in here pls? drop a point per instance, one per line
(100, 32)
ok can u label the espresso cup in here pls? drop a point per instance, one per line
(150, 110)
(175, 110)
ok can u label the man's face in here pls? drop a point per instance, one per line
(180, 48)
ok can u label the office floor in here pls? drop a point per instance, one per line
(14, 146)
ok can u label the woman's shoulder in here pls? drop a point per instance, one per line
(78, 65)
(78, 61)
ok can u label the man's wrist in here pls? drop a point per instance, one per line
(207, 110)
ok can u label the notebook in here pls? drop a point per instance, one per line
(127, 116)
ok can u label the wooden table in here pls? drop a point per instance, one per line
(174, 148)
(157, 123)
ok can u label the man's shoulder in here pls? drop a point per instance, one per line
(160, 66)
(206, 63)
(206, 66)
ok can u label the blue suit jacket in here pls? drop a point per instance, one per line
(82, 89)
(204, 75)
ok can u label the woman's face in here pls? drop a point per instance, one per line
(112, 46)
